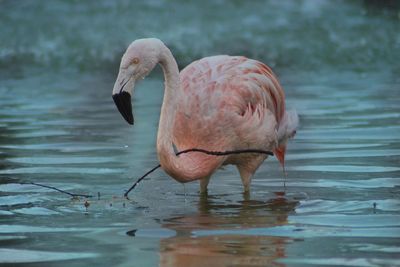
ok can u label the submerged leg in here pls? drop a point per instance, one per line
(203, 184)
(246, 177)
(248, 169)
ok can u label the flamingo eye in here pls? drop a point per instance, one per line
(135, 61)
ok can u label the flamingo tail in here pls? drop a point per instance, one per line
(287, 129)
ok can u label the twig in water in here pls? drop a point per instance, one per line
(59, 190)
(213, 153)
(226, 153)
(140, 179)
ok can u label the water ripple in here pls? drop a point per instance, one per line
(8, 255)
(344, 168)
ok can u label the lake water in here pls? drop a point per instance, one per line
(339, 64)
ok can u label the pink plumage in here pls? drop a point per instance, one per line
(220, 103)
(228, 103)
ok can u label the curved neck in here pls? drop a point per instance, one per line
(168, 108)
(187, 167)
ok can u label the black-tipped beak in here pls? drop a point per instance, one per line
(124, 105)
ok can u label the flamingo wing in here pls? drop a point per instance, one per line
(230, 103)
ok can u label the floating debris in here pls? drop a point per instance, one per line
(86, 204)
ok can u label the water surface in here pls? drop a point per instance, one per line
(338, 63)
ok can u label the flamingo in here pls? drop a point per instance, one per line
(217, 103)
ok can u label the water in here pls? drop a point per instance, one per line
(338, 62)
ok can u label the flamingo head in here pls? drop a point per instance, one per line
(139, 59)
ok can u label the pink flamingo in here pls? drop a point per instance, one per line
(217, 103)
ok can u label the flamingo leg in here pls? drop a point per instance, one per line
(203, 184)
(246, 176)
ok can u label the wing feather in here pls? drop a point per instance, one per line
(229, 102)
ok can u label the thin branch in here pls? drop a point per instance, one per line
(59, 190)
(225, 153)
(213, 153)
(140, 179)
